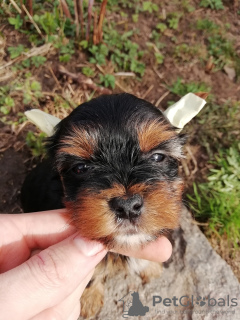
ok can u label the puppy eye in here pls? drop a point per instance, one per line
(157, 157)
(80, 168)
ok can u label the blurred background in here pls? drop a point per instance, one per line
(57, 54)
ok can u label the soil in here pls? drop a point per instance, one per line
(16, 159)
(12, 171)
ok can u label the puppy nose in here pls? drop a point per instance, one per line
(129, 208)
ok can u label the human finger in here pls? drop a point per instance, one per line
(22, 233)
(48, 277)
(41, 229)
(69, 308)
(159, 251)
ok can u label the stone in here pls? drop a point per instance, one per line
(230, 72)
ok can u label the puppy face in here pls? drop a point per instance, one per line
(118, 160)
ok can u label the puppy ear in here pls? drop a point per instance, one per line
(182, 138)
(181, 141)
(48, 124)
(175, 146)
(52, 142)
(181, 112)
(44, 121)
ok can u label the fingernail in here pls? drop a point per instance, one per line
(88, 248)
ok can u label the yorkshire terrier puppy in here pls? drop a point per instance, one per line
(113, 163)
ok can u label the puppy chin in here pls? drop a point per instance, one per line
(130, 235)
(131, 240)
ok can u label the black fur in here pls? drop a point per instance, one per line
(114, 120)
(42, 189)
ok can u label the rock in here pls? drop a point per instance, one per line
(230, 72)
(195, 270)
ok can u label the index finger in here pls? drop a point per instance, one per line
(22, 233)
(39, 229)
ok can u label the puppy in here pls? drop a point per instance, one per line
(113, 163)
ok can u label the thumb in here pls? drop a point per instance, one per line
(48, 277)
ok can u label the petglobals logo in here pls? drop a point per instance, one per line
(186, 301)
(133, 306)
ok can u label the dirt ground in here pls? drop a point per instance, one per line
(15, 157)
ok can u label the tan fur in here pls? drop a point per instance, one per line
(94, 219)
(92, 298)
(93, 209)
(152, 271)
(80, 143)
(162, 206)
(152, 133)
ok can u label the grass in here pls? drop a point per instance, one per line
(222, 51)
(56, 28)
(180, 88)
(108, 80)
(184, 52)
(213, 4)
(217, 201)
(28, 90)
(207, 25)
(35, 142)
(218, 44)
(219, 126)
(124, 53)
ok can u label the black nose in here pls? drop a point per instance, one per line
(129, 208)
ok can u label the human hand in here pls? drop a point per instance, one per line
(47, 285)
(50, 283)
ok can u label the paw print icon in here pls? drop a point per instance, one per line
(200, 301)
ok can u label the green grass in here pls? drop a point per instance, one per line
(222, 51)
(217, 201)
(213, 4)
(173, 20)
(35, 142)
(218, 44)
(118, 48)
(108, 80)
(185, 52)
(207, 25)
(218, 126)
(124, 53)
(180, 88)
(150, 7)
